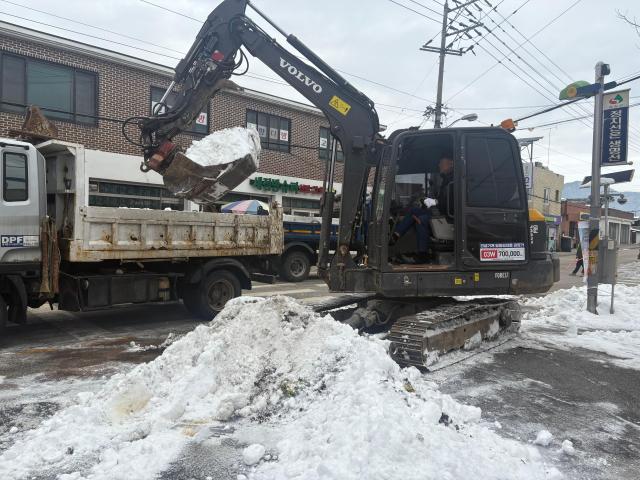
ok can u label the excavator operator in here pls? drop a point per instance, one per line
(420, 216)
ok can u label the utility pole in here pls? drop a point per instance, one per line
(444, 50)
(602, 69)
(443, 38)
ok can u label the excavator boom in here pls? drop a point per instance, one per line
(212, 59)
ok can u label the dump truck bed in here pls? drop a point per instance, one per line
(106, 233)
(90, 233)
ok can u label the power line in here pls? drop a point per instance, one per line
(490, 31)
(254, 76)
(499, 61)
(172, 11)
(529, 65)
(517, 107)
(415, 90)
(425, 7)
(90, 26)
(339, 70)
(572, 119)
(524, 48)
(407, 8)
(91, 36)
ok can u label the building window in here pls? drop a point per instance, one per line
(326, 144)
(546, 195)
(14, 173)
(300, 206)
(200, 125)
(107, 193)
(274, 131)
(64, 93)
(557, 196)
(625, 234)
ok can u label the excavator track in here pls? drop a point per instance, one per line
(419, 340)
(422, 331)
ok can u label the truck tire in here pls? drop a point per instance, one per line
(295, 266)
(4, 313)
(208, 297)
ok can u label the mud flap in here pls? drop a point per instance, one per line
(205, 185)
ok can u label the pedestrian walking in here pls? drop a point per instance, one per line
(579, 261)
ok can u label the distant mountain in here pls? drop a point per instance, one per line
(573, 191)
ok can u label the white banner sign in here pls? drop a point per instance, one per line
(502, 252)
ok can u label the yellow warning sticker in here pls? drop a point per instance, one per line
(340, 105)
(476, 277)
(457, 281)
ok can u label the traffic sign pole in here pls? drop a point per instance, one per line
(602, 69)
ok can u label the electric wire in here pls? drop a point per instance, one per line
(578, 109)
(531, 67)
(250, 75)
(90, 36)
(258, 77)
(410, 9)
(424, 6)
(499, 61)
(566, 120)
(129, 121)
(90, 26)
(579, 106)
(172, 11)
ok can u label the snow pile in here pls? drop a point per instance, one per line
(561, 319)
(568, 448)
(225, 146)
(253, 454)
(309, 397)
(543, 438)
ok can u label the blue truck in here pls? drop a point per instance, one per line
(301, 242)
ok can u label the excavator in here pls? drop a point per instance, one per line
(485, 241)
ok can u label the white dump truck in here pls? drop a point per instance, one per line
(57, 248)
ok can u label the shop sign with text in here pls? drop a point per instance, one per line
(278, 185)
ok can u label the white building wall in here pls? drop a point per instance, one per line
(118, 167)
(126, 168)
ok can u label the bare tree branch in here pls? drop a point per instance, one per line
(634, 23)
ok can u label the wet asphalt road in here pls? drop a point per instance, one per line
(576, 395)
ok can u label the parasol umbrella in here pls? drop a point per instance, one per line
(250, 207)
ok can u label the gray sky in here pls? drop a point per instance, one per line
(379, 41)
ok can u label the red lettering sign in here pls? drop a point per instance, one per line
(489, 253)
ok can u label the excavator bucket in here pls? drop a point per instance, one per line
(206, 184)
(216, 164)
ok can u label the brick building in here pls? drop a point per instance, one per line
(574, 211)
(74, 82)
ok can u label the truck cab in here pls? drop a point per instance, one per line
(22, 207)
(23, 203)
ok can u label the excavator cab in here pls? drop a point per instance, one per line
(478, 241)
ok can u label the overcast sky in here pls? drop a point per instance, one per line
(379, 42)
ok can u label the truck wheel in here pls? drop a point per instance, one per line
(4, 313)
(206, 299)
(295, 266)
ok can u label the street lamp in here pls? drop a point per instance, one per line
(470, 117)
